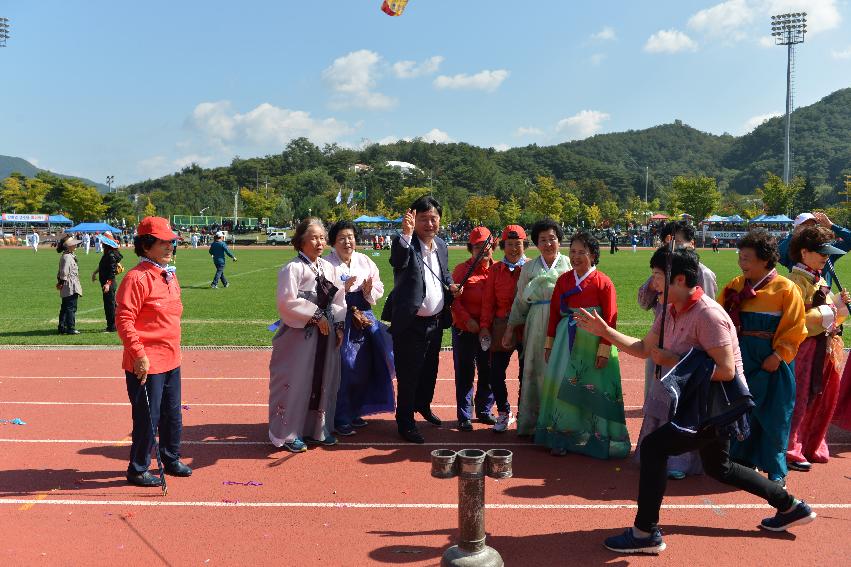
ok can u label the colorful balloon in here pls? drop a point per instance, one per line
(394, 7)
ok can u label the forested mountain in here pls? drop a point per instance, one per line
(10, 165)
(607, 170)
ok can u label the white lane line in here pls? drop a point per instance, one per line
(341, 443)
(380, 505)
(191, 404)
(263, 378)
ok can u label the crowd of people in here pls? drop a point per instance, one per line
(769, 343)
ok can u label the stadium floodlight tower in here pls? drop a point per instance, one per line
(789, 30)
(4, 31)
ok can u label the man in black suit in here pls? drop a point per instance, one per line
(418, 312)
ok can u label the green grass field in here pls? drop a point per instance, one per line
(238, 315)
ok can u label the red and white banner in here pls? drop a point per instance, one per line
(12, 217)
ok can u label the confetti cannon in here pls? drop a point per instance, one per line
(471, 466)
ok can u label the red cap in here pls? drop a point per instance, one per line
(515, 228)
(479, 235)
(156, 226)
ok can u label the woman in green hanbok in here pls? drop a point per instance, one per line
(532, 308)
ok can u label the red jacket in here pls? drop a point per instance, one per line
(500, 290)
(469, 304)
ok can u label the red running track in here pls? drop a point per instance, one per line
(368, 501)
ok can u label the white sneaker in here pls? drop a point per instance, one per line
(503, 422)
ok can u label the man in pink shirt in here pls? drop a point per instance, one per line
(692, 320)
(148, 322)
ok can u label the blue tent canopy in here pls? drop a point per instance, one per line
(771, 219)
(59, 219)
(368, 219)
(716, 218)
(735, 218)
(93, 227)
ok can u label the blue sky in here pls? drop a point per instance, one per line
(138, 90)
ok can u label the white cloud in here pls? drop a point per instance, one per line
(822, 15)
(353, 77)
(597, 58)
(605, 34)
(724, 20)
(484, 80)
(410, 69)
(437, 135)
(160, 165)
(669, 41)
(844, 54)
(266, 125)
(528, 131)
(502, 147)
(766, 41)
(33, 161)
(582, 124)
(755, 121)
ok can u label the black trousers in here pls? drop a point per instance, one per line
(415, 353)
(499, 365)
(164, 395)
(715, 456)
(68, 313)
(469, 358)
(109, 307)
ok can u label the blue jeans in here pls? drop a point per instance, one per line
(164, 395)
(220, 273)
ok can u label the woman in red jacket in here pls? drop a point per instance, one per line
(466, 352)
(500, 289)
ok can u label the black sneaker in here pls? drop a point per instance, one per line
(145, 479)
(628, 543)
(797, 516)
(486, 418)
(177, 469)
(359, 422)
(465, 425)
(803, 466)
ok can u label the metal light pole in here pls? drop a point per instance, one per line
(109, 180)
(789, 30)
(4, 31)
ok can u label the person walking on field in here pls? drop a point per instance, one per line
(218, 250)
(87, 242)
(107, 273)
(33, 240)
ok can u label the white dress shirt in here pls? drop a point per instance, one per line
(433, 300)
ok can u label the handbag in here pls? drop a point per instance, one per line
(498, 327)
(359, 320)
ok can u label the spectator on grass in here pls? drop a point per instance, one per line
(148, 323)
(366, 355)
(68, 284)
(218, 250)
(304, 371)
(107, 273)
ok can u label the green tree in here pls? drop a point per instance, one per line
(483, 210)
(256, 204)
(697, 196)
(510, 211)
(610, 212)
(82, 202)
(408, 196)
(150, 210)
(118, 206)
(23, 195)
(571, 209)
(546, 200)
(777, 197)
(283, 213)
(592, 215)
